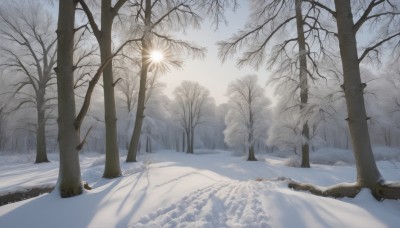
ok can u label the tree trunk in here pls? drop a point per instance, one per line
(305, 161)
(150, 149)
(133, 146)
(69, 179)
(251, 156)
(176, 144)
(146, 45)
(41, 153)
(250, 141)
(188, 141)
(192, 140)
(148, 144)
(368, 174)
(112, 167)
(183, 141)
(139, 146)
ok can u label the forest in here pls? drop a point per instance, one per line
(94, 114)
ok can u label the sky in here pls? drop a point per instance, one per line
(210, 72)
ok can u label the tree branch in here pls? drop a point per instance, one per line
(364, 17)
(367, 50)
(322, 6)
(93, 82)
(90, 17)
(118, 6)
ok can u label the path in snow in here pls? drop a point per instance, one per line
(226, 204)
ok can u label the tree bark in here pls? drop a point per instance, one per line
(183, 141)
(69, 179)
(133, 146)
(192, 140)
(251, 156)
(112, 167)
(368, 174)
(150, 150)
(148, 144)
(188, 141)
(146, 45)
(305, 161)
(41, 153)
(190, 130)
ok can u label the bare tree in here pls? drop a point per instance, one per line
(305, 148)
(30, 50)
(270, 26)
(193, 101)
(109, 12)
(69, 180)
(385, 15)
(154, 22)
(246, 117)
(154, 19)
(69, 123)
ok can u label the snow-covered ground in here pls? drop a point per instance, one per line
(207, 189)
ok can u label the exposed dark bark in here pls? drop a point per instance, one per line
(148, 144)
(192, 140)
(112, 167)
(251, 156)
(305, 161)
(134, 144)
(188, 142)
(183, 141)
(305, 151)
(386, 191)
(146, 45)
(69, 179)
(18, 196)
(368, 174)
(338, 191)
(41, 153)
(251, 142)
(380, 190)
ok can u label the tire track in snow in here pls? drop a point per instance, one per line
(226, 204)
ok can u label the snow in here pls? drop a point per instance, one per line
(207, 189)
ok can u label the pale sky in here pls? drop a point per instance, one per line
(210, 72)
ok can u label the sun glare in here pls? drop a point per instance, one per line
(157, 56)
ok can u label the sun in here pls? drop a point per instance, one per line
(156, 56)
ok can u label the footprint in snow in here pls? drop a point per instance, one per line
(228, 204)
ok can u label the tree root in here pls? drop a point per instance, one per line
(18, 196)
(380, 191)
(86, 186)
(337, 191)
(70, 189)
(386, 191)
